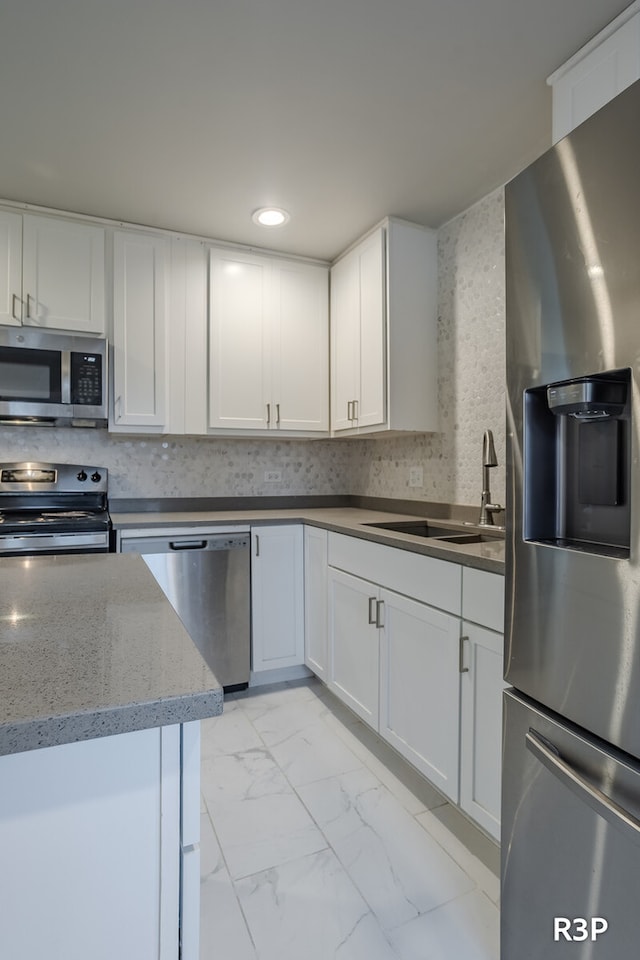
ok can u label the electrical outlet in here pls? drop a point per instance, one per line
(272, 476)
(416, 476)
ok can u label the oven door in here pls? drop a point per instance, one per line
(24, 545)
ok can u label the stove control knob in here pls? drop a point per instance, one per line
(96, 477)
(82, 476)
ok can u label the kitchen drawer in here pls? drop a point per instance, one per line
(483, 598)
(431, 581)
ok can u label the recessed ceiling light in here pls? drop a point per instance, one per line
(270, 216)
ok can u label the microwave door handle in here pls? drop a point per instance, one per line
(65, 376)
(582, 788)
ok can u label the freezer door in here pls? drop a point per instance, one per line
(570, 841)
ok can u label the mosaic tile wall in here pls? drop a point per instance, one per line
(471, 397)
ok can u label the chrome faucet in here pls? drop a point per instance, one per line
(489, 459)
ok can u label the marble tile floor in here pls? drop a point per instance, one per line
(318, 841)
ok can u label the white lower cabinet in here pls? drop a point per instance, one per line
(277, 597)
(315, 600)
(420, 687)
(481, 725)
(481, 697)
(354, 655)
(420, 663)
(90, 834)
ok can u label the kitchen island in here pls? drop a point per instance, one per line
(101, 694)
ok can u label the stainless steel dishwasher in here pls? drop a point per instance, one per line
(205, 576)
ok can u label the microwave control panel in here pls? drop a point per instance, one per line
(86, 379)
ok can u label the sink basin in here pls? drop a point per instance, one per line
(417, 528)
(433, 531)
(471, 538)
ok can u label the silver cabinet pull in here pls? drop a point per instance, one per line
(277, 414)
(268, 414)
(257, 545)
(13, 307)
(28, 311)
(372, 611)
(349, 402)
(380, 614)
(117, 409)
(355, 410)
(461, 665)
(583, 789)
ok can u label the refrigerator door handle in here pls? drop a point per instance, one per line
(599, 802)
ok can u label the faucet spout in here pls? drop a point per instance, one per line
(489, 459)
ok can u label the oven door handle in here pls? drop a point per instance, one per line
(54, 541)
(549, 756)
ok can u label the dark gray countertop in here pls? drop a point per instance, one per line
(349, 520)
(89, 647)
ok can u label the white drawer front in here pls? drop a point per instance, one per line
(431, 581)
(483, 598)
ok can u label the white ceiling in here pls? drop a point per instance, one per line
(189, 114)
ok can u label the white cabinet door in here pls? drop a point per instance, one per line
(10, 268)
(481, 726)
(187, 338)
(277, 596)
(300, 347)
(315, 600)
(354, 643)
(239, 331)
(358, 335)
(63, 275)
(606, 66)
(345, 341)
(420, 687)
(90, 840)
(139, 330)
(371, 407)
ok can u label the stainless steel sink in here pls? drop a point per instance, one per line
(417, 528)
(434, 531)
(472, 538)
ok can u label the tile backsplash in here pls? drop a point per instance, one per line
(471, 363)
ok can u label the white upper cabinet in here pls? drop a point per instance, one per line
(300, 346)
(52, 273)
(268, 344)
(383, 332)
(597, 73)
(140, 266)
(10, 268)
(240, 381)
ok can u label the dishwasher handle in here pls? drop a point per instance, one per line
(187, 544)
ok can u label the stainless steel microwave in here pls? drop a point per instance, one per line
(52, 379)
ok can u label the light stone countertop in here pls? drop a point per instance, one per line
(89, 647)
(348, 520)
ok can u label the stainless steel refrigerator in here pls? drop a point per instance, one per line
(571, 767)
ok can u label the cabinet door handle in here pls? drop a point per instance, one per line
(372, 612)
(268, 414)
(28, 310)
(349, 417)
(13, 307)
(461, 665)
(355, 410)
(380, 614)
(117, 409)
(277, 414)
(257, 545)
